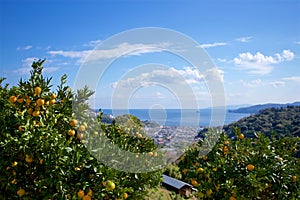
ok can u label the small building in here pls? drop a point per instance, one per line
(176, 185)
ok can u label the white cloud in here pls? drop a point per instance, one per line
(171, 76)
(297, 42)
(123, 49)
(92, 43)
(259, 83)
(70, 54)
(252, 83)
(221, 60)
(244, 39)
(215, 44)
(292, 78)
(24, 48)
(261, 64)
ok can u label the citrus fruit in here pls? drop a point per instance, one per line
(110, 185)
(28, 158)
(250, 167)
(184, 171)
(40, 102)
(200, 194)
(71, 132)
(29, 111)
(81, 128)
(80, 193)
(20, 100)
(209, 192)
(15, 163)
(125, 195)
(241, 136)
(90, 193)
(13, 99)
(232, 198)
(36, 113)
(73, 122)
(294, 179)
(37, 90)
(21, 192)
(53, 96)
(86, 197)
(200, 170)
(52, 101)
(195, 183)
(79, 136)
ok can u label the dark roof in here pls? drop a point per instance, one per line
(175, 182)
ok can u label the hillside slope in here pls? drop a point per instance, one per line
(284, 121)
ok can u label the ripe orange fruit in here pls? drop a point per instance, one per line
(20, 100)
(37, 90)
(226, 142)
(77, 169)
(294, 179)
(71, 132)
(28, 159)
(232, 198)
(125, 195)
(200, 170)
(15, 163)
(184, 171)
(90, 193)
(20, 192)
(80, 193)
(79, 136)
(40, 102)
(52, 102)
(195, 183)
(81, 128)
(250, 167)
(53, 96)
(73, 122)
(241, 136)
(28, 101)
(204, 157)
(14, 181)
(20, 128)
(110, 185)
(29, 111)
(86, 197)
(36, 113)
(12, 99)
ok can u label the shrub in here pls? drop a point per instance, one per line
(43, 142)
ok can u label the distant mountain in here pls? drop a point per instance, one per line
(283, 121)
(257, 108)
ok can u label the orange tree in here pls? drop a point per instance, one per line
(243, 168)
(43, 145)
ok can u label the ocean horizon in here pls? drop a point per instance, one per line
(181, 117)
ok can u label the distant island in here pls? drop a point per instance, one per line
(256, 108)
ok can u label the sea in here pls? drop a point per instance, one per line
(182, 117)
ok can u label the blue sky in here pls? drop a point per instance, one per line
(255, 46)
